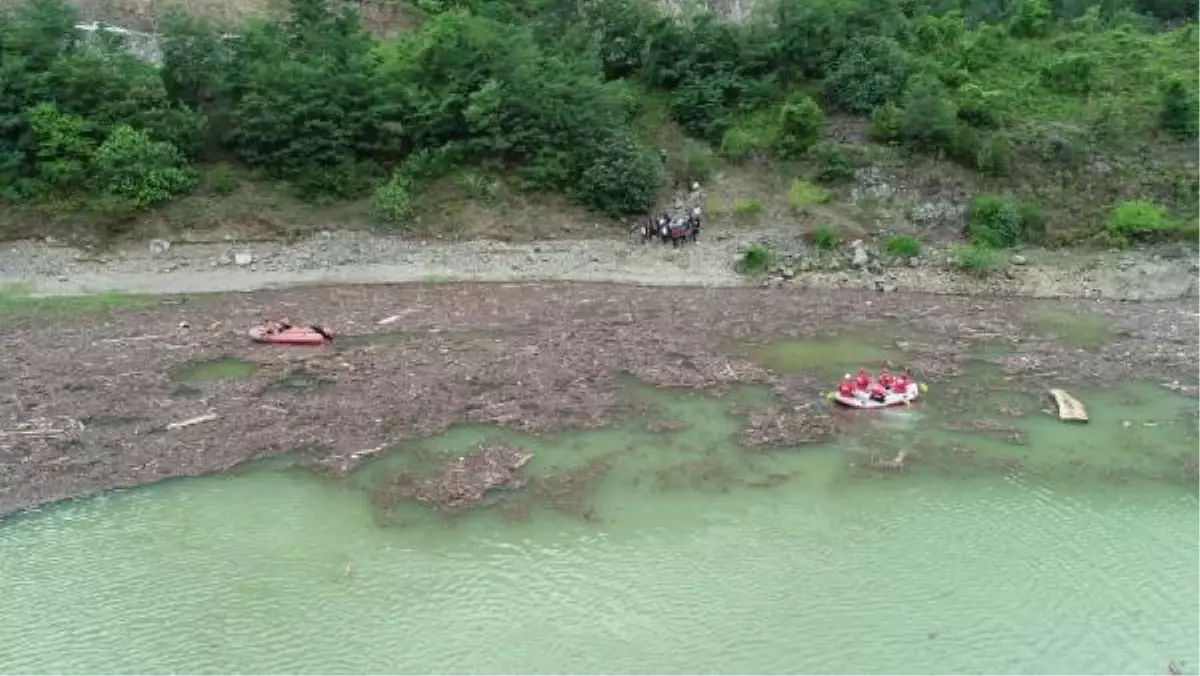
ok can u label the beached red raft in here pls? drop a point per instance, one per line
(861, 399)
(290, 335)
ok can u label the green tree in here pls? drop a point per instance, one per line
(871, 72)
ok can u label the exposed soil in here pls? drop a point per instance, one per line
(88, 401)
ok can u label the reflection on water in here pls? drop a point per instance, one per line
(1011, 543)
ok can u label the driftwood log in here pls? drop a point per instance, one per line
(1069, 408)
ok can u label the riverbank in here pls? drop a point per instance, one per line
(348, 257)
(95, 399)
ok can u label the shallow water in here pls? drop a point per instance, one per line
(1076, 552)
(221, 368)
(1078, 327)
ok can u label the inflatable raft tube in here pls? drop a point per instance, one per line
(860, 399)
(294, 335)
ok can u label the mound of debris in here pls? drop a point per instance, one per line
(464, 482)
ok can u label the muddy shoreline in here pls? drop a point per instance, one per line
(91, 399)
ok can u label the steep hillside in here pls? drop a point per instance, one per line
(519, 119)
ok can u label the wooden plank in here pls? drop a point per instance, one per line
(1069, 408)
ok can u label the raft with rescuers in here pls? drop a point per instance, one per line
(886, 391)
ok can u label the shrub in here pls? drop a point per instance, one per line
(63, 147)
(825, 237)
(885, 123)
(131, 166)
(835, 164)
(994, 155)
(756, 259)
(1179, 110)
(1000, 222)
(624, 178)
(929, 119)
(979, 108)
(1139, 219)
(803, 194)
(800, 126)
(903, 246)
(1070, 74)
(393, 200)
(976, 259)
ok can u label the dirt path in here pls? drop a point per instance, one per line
(43, 268)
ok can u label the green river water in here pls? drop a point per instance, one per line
(1072, 551)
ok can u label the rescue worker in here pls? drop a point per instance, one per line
(846, 387)
(862, 380)
(886, 379)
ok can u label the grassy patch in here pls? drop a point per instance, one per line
(15, 300)
(209, 370)
(802, 194)
(902, 246)
(751, 136)
(1143, 220)
(747, 206)
(975, 259)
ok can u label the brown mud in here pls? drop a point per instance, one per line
(90, 400)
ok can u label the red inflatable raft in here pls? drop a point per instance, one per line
(860, 399)
(290, 335)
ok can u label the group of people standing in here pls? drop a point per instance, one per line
(677, 231)
(876, 389)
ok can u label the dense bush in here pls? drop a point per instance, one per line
(1000, 222)
(872, 72)
(800, 125)
(547, 93)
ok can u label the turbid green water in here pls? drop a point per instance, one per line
(1035, 547)
(222, 368)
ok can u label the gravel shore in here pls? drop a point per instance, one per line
(344, 257)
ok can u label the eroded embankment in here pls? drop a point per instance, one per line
(91, 398)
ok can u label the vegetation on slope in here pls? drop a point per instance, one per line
(557, 96)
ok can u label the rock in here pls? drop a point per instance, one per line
(914, 262)
(243, 259)
(805, 265)
(184, 325)
(859, 258)
(159, 247)
(1018, 259)
(788, 273)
